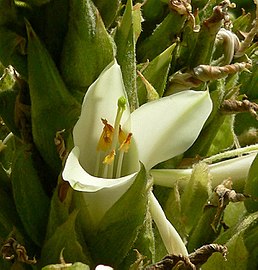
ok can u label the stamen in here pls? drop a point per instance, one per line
(106, 137)
(109, 159)
(109, 164)
(110, 139)
(124, 147)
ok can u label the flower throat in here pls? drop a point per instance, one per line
(112, 146)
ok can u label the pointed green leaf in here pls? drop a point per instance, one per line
(218, 136)
(108, 10)
(88, 48)
(241, 243)
(7, 109)
(236, 259)
(248, 80)
(125, 41)
(8, 214)
(173, 210)
(185, 48)
(153, 10)
(195, 195)
(137, 20)
(54, 26)
(65, 239)
(52, 106)
(5, 182)
(202, 233)
(250, 239)
(162, 37)
(59, 210)
(156, 73)
(31, 201)
(242, 22)
(202, 52)
(121, 224)
(144, 244)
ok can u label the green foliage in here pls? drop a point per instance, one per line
(156, 69)
(49, 97)
(125, 41)
(64, 240)
(87, 48)
(119, 228)
(51, 51)
(31, 201)
(251, 187)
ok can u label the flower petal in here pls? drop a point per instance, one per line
(100, 193)
(167, 127)
(235, 168)
(171, 239)
(103, 267)
(99, 102)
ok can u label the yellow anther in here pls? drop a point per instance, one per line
(106, 137)
(126, 143)
(121, 135)
(109, 159)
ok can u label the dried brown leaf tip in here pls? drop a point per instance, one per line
(208, 73)
(13, 251)
(191, 262)
(220, 13)
(220, 198)
(60, 144)
(140, 262)
(202, 254)
(204, 73)
(231, 106)
(183, 7)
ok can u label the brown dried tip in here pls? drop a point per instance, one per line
(231, 106)
(12, 250)
(60, 144)
(208, 73)
(191, 262)
(222, 195)
(63, 188)
(183, 7)
(219, 13)
(202, 254)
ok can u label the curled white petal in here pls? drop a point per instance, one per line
(171, 239)
(167, 127)
(99, 102)
(236, 168)
(230, 42)
(99, 193)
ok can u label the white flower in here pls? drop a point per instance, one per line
(101, 165)
(103, 267)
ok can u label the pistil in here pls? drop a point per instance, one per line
(112, 140)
